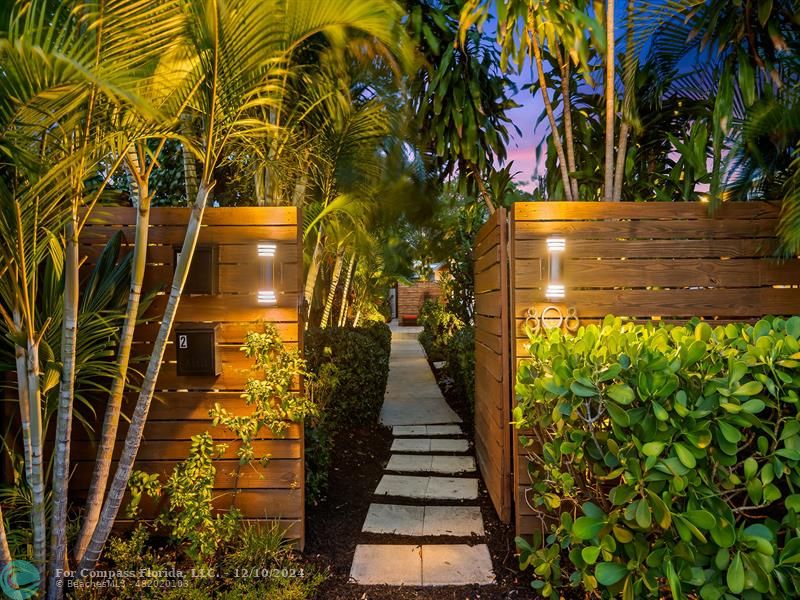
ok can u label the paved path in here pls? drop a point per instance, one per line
(431, 462)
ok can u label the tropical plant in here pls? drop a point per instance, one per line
(190, 514)
(664, 459)
(459, 97)
(242, 51)
(97, 72)
(273, 402)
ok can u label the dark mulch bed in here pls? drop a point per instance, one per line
(334, 526)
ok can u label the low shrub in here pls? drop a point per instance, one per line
(445, 337)
(665, 459)
(353, 393)
(439, 325)
(350, 368)
(460, 357)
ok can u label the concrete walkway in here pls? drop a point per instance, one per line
(412, 396)
(431, 462)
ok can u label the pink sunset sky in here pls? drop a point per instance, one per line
(522, 148)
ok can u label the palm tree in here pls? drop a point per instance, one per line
(240, 52)
(62, 77)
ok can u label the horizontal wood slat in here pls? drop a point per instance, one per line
(492, 362)
(181, 405)
(647, 261)
(586, 211)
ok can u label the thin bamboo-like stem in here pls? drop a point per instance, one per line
(629, 74)
(5, 552)
(337, 272)
(24, 400)
(38, 513)
(608, 186)
(569, 138)
(313, 274)
(348, 278)
(133, 439)
(189, 159)
(548, 106)
(108, 434)
(66, 394)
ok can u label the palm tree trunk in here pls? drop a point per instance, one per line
(313, 275)
(5, 553)
(487, 198)
(569, 140)
(562, 159)
(108, 434)
(38, 512)
(66, 396)
(189, 160)
(24, 400)
(299, 193)
(348, 278)
(337, 272)
(133, 438)
(629, 73)
(608, 187)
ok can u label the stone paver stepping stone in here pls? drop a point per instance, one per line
(451, 488)
(411, 445)
(452, 464)
(444, 430)
(395, 519)
(402, 485)
(409, 430)
(414, 463)
(428, 488)
(449, 445)
(427, 463)
(426, 430)
(456, 564)
(459, 521)
(375, 564)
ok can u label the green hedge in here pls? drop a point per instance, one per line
(351, 368)
(445, 337)
(667, 459)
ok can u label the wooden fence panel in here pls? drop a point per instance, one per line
(647, 261)
(181, 404)
(492, 354)
(410, 298)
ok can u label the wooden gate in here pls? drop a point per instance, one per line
(644, 260)
(493, 374)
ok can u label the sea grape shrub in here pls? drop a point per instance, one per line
(190, 515)
(664, 459)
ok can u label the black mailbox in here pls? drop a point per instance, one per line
(196, 349)
(203, 274)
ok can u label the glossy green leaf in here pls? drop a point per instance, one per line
(609, 573)
(621, 393)
(587, 528)
(735, 575)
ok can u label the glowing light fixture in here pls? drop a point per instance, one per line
(555, 286)
(266, 288)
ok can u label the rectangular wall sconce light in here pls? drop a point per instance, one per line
(555, 283)
(266, 286)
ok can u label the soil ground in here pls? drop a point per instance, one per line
(334, 526)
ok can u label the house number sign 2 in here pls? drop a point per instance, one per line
(183, 341)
